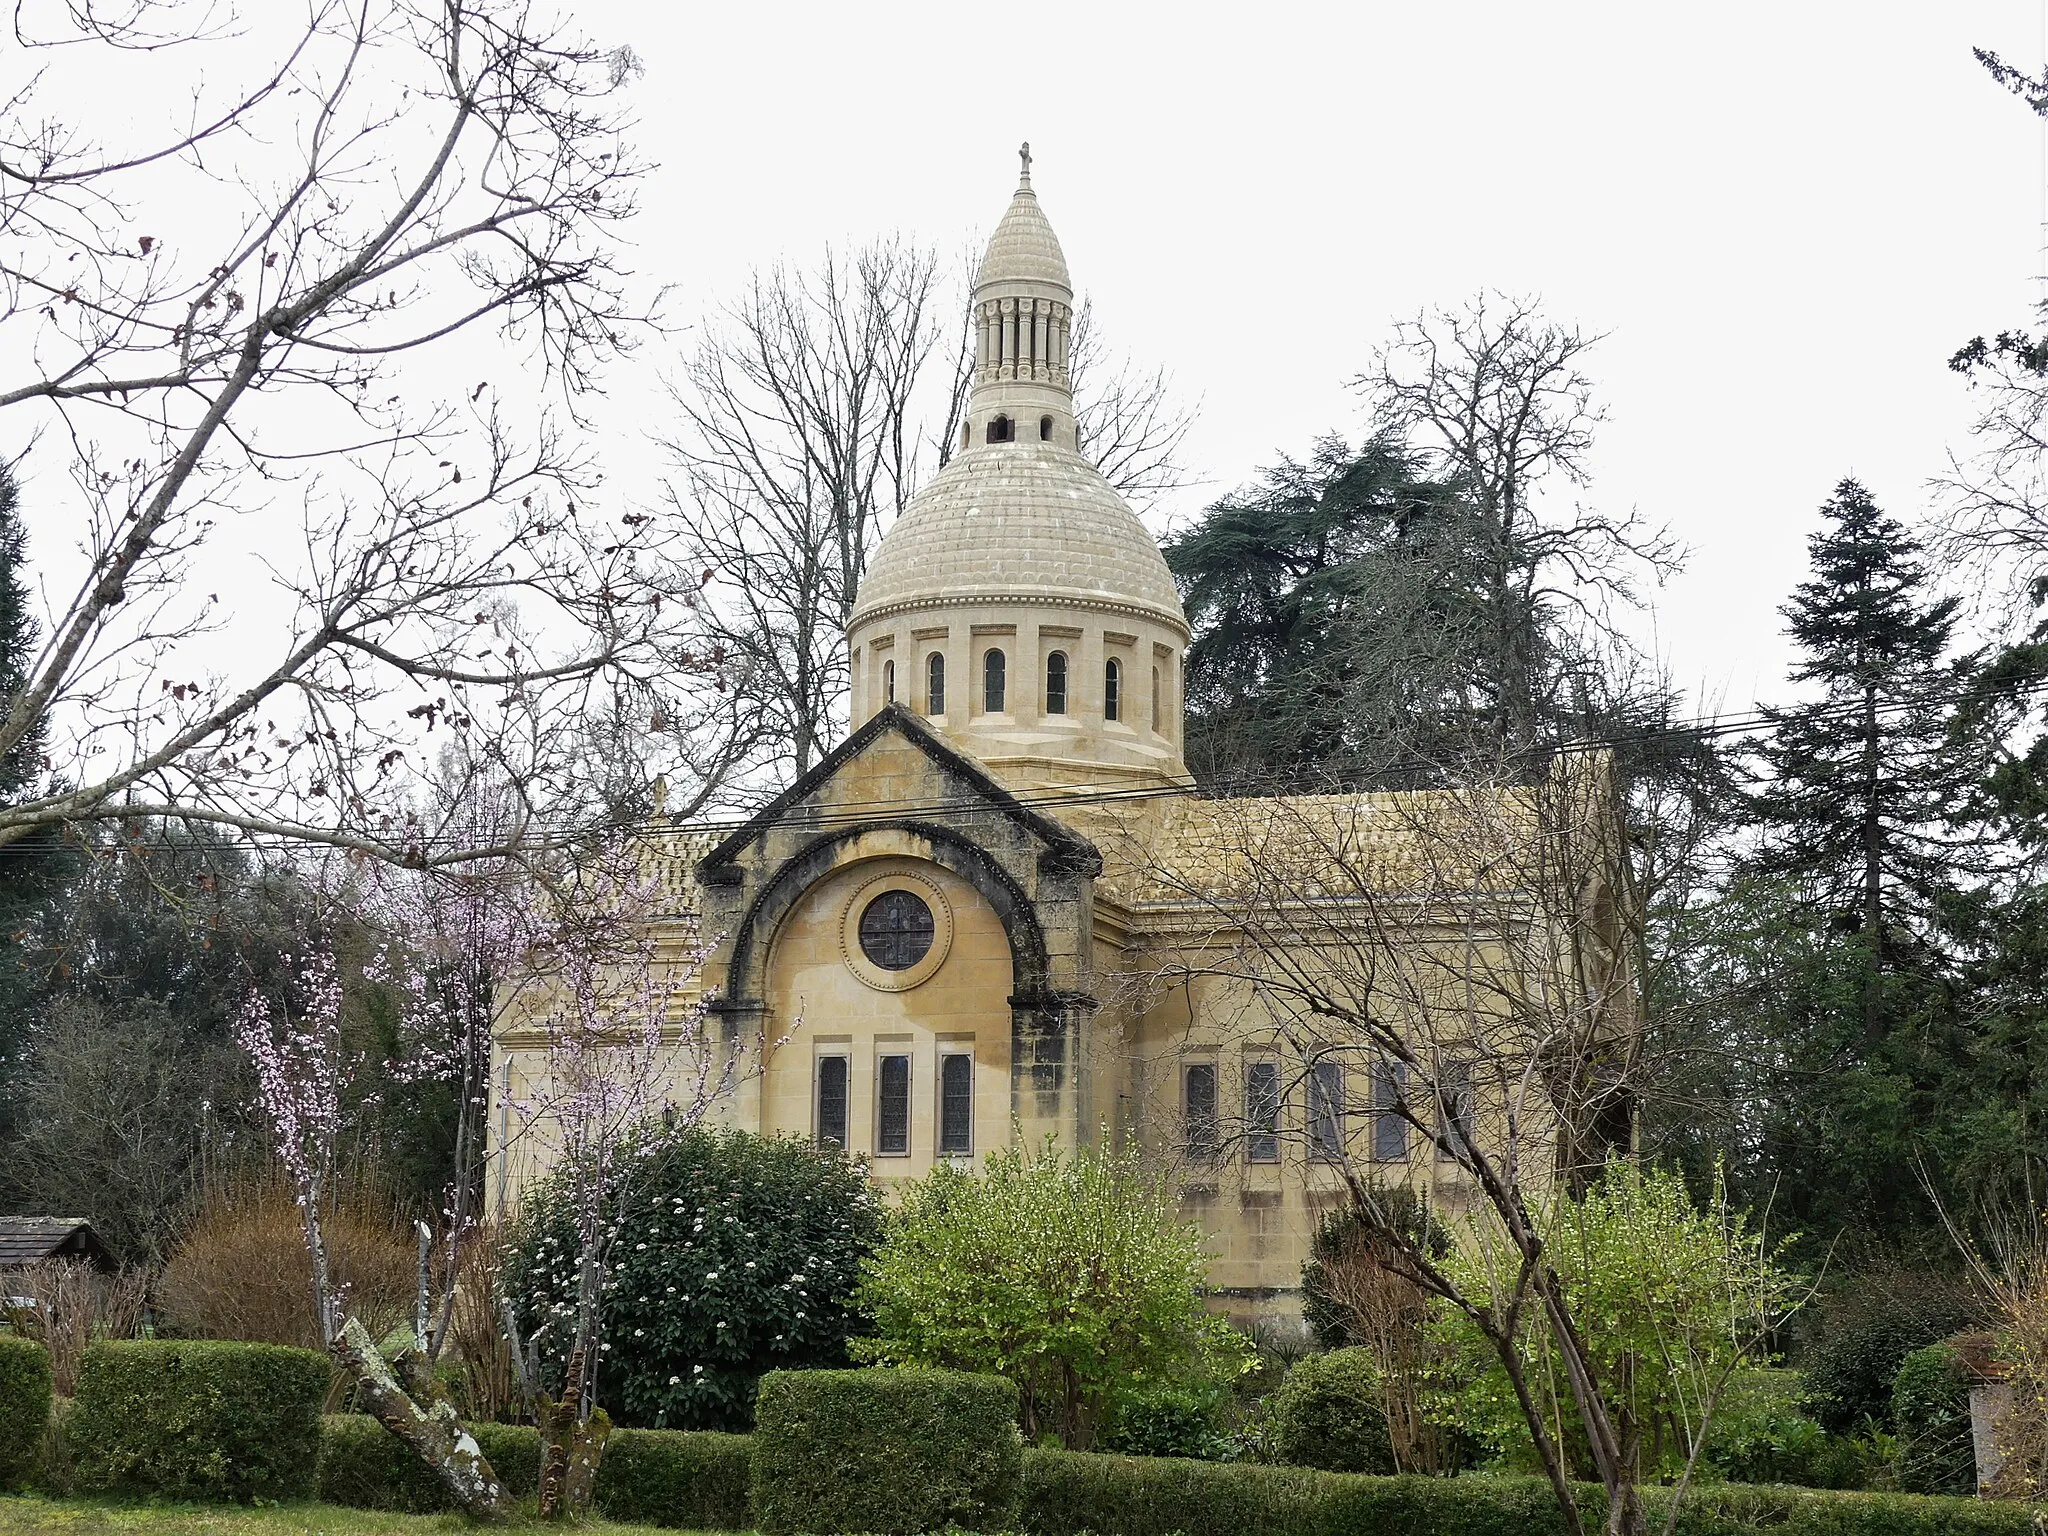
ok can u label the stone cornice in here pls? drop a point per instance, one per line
(1022, 597)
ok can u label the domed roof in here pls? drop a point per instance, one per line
(1024, 248)
(1024, 522)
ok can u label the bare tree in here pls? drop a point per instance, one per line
(799, 441)
(1994, 500)
(1493, 399)
(811, 411)
(1133, 425)
(302, 547)
(1465, 956)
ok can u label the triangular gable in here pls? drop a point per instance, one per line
(1072, 848)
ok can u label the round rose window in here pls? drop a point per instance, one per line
(896, 930)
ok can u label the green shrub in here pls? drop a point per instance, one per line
(54, 1472)
(1329, 1413)
(1868, 1325)
(199, 1420)
(655, 1477)
(698, 1481)
(24, 1406)
(736, 1255)
(885, 1451)
(1071, 1273)
(1068, 1494)
(1931, 1407)
(365, 1466)
(1167, 1421)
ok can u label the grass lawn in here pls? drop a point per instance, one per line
(30, 1513)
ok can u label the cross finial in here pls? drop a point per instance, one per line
(1024, 154)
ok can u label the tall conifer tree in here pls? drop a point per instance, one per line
(1863, 785)
(19, 632)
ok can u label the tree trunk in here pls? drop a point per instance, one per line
(435, 1433)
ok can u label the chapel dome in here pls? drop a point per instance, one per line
(1021, 522)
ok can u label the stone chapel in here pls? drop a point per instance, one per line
(957, 920)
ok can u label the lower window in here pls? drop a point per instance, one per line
(956, 1105)
(1262, 1112)
(892, 1107)
(1198, 1100)
(832, 1098)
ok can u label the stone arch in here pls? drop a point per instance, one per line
(747, 971)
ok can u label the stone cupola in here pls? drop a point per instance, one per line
(1018, 604)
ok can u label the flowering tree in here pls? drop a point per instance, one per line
(612, 1044)
(295, 1048)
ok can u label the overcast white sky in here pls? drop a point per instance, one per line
(1786, 214)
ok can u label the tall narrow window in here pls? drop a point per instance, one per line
(1056, 683)
(956, 1105)
(1326, 1109)
(1112, 689)
(888, 682)
(832, 1101)
(993, 668)
(1156, 722)
(1455, 1115)
(1389, 1130)
(1262, 1112)
(1198, 1104)
(1045, 429)
(892, 1106)
(935, 684)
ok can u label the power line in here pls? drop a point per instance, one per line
(1263, 786)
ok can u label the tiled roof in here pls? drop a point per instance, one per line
(1189, 849)
(26, 1239)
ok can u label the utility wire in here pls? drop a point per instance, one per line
(1700, 728)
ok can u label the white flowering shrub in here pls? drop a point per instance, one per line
(730, 1255)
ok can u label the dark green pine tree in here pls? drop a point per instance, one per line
(1865, 814)
(33, 867)
(1864, 786)
(1333, 626)
(22, 766)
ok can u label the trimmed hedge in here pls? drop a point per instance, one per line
(207, 1420)
(696, 1480)
(365, 1466)
(885, 1451)
(1067, 1493)
(24, 1407)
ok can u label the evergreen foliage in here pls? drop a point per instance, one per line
(1329, 1413)
(209, 1421)
(24, 1406)
(736, 1255)
(894, 1452)
(1070, 1274)
(1931, 1407)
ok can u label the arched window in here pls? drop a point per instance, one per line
(1112, 689)
(1045, 429)
(888, 682)
(992, 679)
(1056, 683)
(935, 684)
(999, 429)
(966, 434)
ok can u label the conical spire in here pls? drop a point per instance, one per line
(1023, 315)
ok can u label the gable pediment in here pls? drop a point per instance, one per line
(895, 771)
